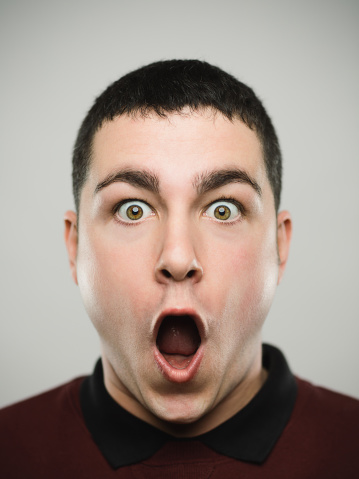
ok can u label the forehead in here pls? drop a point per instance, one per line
(179, 146)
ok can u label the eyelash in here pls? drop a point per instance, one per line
(118, 206)
(128, 200)
(228, 199)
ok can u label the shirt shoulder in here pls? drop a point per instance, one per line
(322, 404)
(38, 434)
(60, 400)
(322, 435)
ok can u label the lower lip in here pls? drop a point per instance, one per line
(179, 375)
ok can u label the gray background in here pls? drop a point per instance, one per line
(302, 60)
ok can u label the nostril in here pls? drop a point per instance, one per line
(166, 273)
(178, 273)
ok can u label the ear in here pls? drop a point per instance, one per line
(71, 238)
(284, 235)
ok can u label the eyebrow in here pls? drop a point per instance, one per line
(138, 178)
(215, 179)
(203, 183)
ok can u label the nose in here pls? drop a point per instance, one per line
(178, 260)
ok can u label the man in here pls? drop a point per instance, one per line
(177, 246)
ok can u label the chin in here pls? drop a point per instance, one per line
(180, 410)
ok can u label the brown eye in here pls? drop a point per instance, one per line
(134, 210)
(223, 211)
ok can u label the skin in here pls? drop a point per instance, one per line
(178, 257)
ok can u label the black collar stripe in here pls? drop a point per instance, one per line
(249, 435)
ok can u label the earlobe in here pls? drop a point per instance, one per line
(71, 238)
(284, 236)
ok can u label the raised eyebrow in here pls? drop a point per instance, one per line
(215, 179)
(138, 178)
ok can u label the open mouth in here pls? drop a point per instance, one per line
(178, 340)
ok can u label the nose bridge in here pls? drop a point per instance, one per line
(178, 258)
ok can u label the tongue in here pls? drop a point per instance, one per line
(178, 340)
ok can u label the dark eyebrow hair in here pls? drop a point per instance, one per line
(141, 179)
(215, 179)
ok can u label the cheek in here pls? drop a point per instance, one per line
(111, 277)
(111, 280)
(247, 275)
(256, 267)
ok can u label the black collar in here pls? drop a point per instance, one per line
(249, 435)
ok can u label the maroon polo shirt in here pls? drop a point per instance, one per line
(290, 429)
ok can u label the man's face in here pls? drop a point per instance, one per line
(177, 258)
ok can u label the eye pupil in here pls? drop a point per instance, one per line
(222, 212)
(134, 212)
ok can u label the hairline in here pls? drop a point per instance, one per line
(187, 110)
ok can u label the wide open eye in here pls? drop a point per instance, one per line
(133, 211)
(223, 210)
